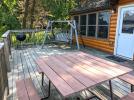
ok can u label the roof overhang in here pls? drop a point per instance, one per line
(94, 5)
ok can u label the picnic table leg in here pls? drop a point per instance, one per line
(42, 78)
(111, 90)
(132, 88)
(49, 91)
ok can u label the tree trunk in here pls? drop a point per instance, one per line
(32, 14)
(25, 13)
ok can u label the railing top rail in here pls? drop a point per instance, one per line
(27, 30)
(6, 34)
(23, 30)
(1, 45)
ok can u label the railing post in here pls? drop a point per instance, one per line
(7, 48)
(4, 90)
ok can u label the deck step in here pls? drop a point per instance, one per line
(26, 90)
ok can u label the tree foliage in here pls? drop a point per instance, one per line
(8, 19)
(16, 14)
(59, 9)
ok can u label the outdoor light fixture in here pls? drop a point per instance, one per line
(113, 10)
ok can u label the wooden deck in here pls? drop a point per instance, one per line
(23, 66)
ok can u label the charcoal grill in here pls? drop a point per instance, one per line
(20, 37)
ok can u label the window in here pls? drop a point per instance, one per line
(128, 22)
(94, 24)
(83, 24)
(91, 25)
(103, 24)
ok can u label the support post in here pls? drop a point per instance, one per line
(71, 35)
(76, 35)
(7, 54)
(46, 32)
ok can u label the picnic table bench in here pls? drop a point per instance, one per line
(26, 90)
(129, 78)
(73, 72)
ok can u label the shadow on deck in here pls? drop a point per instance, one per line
(23, 66)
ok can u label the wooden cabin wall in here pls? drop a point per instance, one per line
(123, 2)
(106, 45)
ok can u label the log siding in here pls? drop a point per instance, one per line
(106, 45)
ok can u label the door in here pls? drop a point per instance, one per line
(125, 40)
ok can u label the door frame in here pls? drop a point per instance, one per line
(117, 29)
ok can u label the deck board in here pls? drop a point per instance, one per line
(23, 65)
(31, 70)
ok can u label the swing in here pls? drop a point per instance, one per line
(59, 37)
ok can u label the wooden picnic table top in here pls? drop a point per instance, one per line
(74, 72)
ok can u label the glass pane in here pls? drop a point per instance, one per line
(76, 18)
(92, 19)
(102, 31)
(128, 22)
(104, 18)
(83, 20)
(91, 30)
(83, 30)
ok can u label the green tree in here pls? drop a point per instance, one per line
(8, 19)
(59, 9)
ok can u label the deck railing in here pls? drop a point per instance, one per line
(9, 40)
(7, 48)
(32, 37)
(3, 72)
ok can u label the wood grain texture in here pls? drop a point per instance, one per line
(32, 92)
(109, 63)
(56, 66)
(21, 90)
(63, 69)
(3, 72)
(58, 82)
(123, 2)
(75, 71)
(26, 90)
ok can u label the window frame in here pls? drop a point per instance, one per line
(92, 25)
(83, 25)
(103, 25)
(97, 24)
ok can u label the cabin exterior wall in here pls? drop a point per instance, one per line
(106, 45)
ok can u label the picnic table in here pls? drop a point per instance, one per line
(76, 71)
